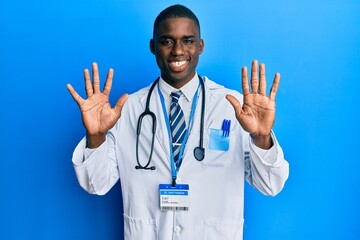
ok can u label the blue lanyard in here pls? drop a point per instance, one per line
(174, 169)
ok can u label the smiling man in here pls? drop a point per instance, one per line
(182, 147)
(176, 45)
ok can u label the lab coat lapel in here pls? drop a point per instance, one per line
(161, 134)
(209, 100)
(194, 136)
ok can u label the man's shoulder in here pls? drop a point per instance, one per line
(217, 89)
(139, 94)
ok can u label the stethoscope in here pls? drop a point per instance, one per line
(199, 152)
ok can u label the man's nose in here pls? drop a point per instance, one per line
(178, 49)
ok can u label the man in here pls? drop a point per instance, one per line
(170, 189)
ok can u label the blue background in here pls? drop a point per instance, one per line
(315, 45)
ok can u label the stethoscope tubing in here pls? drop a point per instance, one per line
(199, 152)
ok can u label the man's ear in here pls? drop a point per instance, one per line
(152, 47)
(201, 49)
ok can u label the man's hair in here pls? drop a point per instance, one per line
(175, 11)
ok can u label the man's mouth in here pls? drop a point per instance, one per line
(178, 66)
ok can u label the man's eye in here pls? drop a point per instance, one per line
(166, 42)
(188, 41)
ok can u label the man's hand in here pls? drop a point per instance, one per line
(257, 115)
(97, 115)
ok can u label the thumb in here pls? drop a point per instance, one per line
(235, 103)
(120, 103)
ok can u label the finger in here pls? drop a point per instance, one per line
(235, 103)
(254, 77)
(74, 94)
(262, 84)
(245, 82)
(275, 86)
(108, 83)
(96, 79)
(88, 86)
(120, 103)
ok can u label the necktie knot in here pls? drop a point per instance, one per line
(175, 96)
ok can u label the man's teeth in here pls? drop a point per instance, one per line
(178, 64)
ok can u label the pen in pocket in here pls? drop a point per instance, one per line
(226, 127)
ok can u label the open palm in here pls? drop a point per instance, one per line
(257, 114)
(97, 115)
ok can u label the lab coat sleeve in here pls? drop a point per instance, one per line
(266, 171)
(96, 169)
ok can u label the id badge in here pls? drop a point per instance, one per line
(174, 198)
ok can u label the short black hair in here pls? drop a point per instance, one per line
(175, 11)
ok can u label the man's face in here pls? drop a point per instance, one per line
(177, 46)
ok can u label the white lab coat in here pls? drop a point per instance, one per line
(216, 183)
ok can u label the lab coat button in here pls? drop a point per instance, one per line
(177, 229)
(179, 180)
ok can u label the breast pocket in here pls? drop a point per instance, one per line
(218, 141)
(139, 229)
(220, 148)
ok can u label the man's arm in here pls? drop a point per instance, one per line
(265, 166)
(94, 158)
(266, 170)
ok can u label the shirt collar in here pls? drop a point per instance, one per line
(188, 89)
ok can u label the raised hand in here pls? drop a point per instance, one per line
(257, 115)
(97, 115)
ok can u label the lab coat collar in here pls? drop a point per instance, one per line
(188, 89)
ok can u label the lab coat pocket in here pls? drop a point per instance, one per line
(139, 229)
(218, 141)
(220, 148)
(216, 229)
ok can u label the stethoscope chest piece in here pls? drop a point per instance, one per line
(199, 153)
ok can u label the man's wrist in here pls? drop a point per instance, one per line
(262, 141)
(94, 141)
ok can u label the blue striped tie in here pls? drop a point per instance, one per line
(177, 125)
